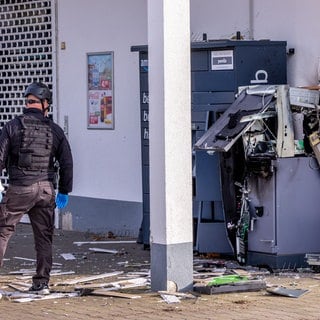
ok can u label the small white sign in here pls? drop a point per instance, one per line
(222, 60)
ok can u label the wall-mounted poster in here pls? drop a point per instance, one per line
(100, 90)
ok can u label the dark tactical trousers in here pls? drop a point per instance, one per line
(38, 200)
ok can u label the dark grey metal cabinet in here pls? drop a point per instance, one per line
(218, 68)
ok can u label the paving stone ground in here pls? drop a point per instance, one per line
(130, 258)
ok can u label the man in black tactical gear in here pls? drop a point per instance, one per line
(30, 146)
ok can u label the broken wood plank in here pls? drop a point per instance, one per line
(34, 260)
(80, 243)
(140, 273)
(241, 272)
(93, 285)
(60, 273)
(207, 274)
(91, 278)
(179, 294)
(23, 271)
(18, 295)
(52, 274)
(109, 293)
(103, 250)
(21, 284)
(47, 297)
(123, 284)
(136, 265)
(18, 288)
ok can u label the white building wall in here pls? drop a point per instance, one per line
(297, 22)
(219, 19)
(106, 162)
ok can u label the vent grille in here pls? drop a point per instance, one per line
(26, 51)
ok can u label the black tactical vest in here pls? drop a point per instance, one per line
(36, 144)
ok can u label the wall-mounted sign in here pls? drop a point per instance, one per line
(100, 90)
(222, 60)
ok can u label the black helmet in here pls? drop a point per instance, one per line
(39, 90)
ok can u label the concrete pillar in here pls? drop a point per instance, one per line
(170, 144)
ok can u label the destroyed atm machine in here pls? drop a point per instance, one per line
(275, 130)
(218, 68)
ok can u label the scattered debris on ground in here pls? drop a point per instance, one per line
(212, 276)
(118, 268)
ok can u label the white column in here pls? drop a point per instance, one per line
(170, 144)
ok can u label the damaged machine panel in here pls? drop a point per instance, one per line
(228, 128)
(271, 134)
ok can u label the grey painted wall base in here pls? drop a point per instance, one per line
(123, 218)
(172, 263)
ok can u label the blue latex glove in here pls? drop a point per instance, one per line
(1, 190)
(61, 200)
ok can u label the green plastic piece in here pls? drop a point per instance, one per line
(218, 281)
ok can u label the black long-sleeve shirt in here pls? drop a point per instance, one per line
(61, 152)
